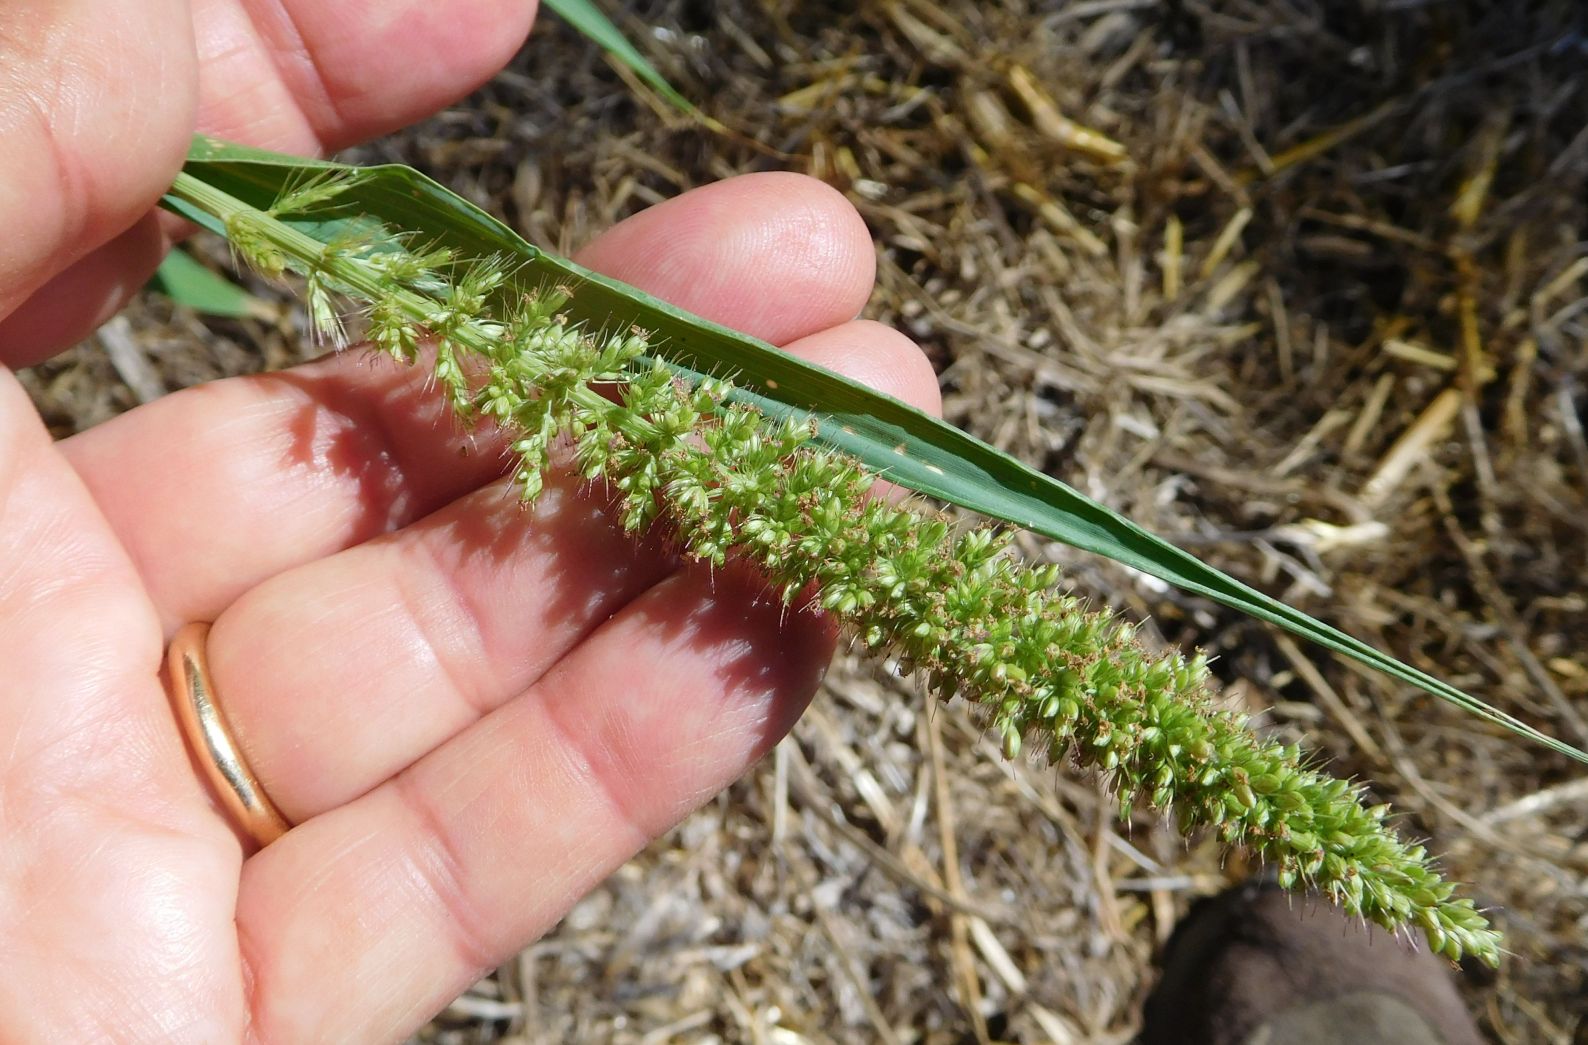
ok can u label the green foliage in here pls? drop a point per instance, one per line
(729, 481)
(186, 282)
(906, 446)
(586, 17)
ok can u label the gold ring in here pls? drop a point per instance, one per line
(210, 739)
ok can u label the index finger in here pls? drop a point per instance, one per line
(96, 109)
(111, 93)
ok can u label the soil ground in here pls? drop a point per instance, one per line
(1301, 286)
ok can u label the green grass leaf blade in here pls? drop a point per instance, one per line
(584, 16)
(186, 282)
(909, 447)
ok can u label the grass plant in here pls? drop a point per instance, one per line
(726, 480)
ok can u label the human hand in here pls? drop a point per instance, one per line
(472, 714)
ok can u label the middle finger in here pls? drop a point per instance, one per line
(217, 488)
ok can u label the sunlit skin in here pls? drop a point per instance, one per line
(472, 714)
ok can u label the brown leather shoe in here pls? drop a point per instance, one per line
(1256, 965)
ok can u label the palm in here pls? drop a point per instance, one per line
(116, 878)
(472, 715)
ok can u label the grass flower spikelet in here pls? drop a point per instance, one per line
(952, 604)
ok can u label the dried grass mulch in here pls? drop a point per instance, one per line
(1301, 286)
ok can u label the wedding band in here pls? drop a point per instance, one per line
(210, 739)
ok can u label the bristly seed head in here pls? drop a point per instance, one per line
(729, 481)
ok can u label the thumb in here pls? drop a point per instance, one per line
(96, 110)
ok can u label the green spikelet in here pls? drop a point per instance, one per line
(1047, 673)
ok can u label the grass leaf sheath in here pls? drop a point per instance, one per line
(729, 482)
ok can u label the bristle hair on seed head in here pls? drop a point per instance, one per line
(726, 481)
